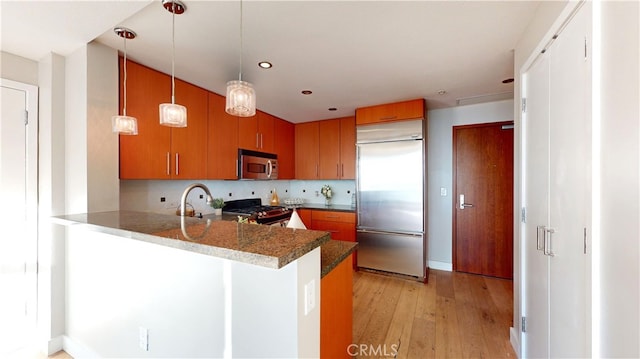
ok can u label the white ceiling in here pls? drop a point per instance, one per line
(349, 53)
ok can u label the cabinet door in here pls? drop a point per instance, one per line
(307, 150)
(146, 155)
(336, 311)
(348, 148)
(248, 137)
(305, 216)
(189, 144)
(329, 149)
(266, 124)
(284, 147)
(398, 111)
(222, 140)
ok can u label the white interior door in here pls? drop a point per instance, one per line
(570, 183)
(18, 214)
(535, 199)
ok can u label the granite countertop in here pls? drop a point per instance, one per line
(333, 207)
(333, 253)
(267, 246)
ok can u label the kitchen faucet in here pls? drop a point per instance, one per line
(183, 201)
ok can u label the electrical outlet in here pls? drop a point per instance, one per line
(309, 296)
(143, 339)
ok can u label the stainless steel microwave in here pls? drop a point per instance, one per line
(257, 165)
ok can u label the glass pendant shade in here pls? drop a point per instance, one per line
(241, 99)
(125, 125)
(173, 115)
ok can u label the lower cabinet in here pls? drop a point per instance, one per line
(341, 225)
(336, 311)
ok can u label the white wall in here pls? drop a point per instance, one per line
(619, 308)
(192, 305)
(17, 68)
(440, 170)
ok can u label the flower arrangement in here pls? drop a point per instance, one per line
(217, 203)
(326, 191)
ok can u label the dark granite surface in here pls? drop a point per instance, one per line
(333, 207)
(333, 253)
(267, 246)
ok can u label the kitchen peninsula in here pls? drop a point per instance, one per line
(234, 290)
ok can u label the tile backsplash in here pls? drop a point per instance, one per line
(147, 195)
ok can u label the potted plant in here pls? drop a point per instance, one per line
(217, 205)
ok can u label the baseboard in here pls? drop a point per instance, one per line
(515, 341)
(76, 349)
(441, 266)
(54, 345)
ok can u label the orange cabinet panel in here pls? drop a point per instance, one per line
(307, 150)
(284, 147)
(398, 111)
(146, 155)
(189, 144)
(256, 133)
(335, 216)
(341, 226)
(348, 148)
(336, 311)
(222, 140)
(329, 149)
(305, 216)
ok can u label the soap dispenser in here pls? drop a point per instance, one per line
(275, 201)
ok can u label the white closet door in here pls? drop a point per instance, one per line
(569, 207)
(536, 197)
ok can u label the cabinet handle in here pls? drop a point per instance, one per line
(168, 164)
(337, 170)
(317, 171)
(257, 140)
(342, 165)
(177, 163)
(388, 118)
(261, 142)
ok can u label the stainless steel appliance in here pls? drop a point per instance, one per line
(257, 165)
(254, 210)
(391, 201)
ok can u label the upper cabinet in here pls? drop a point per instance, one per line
(284, 147)
(257, 132)
(160, 152)
(397, 111)
(326, 149)
(222, 141)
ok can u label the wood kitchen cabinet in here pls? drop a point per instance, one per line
(222, 141)
(284, 147)
(306, 150)
(326, 149)
(336, 311)
(397, 111)
(341, 226)
(160, 152)
(257, 133)
(305, 216)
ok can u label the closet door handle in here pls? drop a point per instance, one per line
(540, 244)
(547, 242)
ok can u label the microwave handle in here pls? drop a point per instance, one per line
(270, 169)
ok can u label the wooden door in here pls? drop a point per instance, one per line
(248, 136)
(266, 124)
(329, 149)
(146, 155)
(348, 148)
(222, 141)
(307, 150)
(483, 174)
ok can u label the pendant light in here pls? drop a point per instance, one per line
(123, 124)
(172, 114)
(241, 96)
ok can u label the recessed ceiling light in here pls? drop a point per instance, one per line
(507, 81)
(265, 64)
(307, 92)
(333, 109)
(442, 92)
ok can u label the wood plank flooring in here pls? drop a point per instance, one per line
(456, 315)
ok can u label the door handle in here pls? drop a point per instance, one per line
(540, 244)
(547, 242)
(462, 204)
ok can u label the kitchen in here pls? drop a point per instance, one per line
(94, 196)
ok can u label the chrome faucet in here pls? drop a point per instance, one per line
(183, 201)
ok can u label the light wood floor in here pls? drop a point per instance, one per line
(456, 315)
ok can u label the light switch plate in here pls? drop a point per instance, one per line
(443, 191)
(309, 296)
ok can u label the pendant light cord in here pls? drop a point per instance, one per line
(173, 52)
(241, 45)
(124, 108)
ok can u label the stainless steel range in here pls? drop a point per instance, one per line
(254, 210)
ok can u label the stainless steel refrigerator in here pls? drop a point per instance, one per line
(391, 183)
